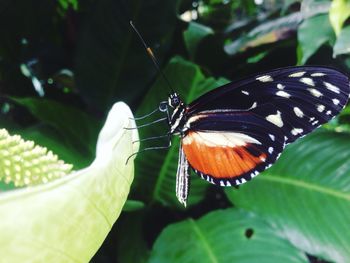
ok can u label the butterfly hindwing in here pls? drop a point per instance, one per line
(230, 149)
(240, 129)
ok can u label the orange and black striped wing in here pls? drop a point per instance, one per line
(234, 153)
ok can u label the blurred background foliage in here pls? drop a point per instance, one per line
(64, 63)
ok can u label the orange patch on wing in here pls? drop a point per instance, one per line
(219, 161)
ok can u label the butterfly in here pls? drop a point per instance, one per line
(232, 133)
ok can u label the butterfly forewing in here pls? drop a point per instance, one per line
(240, 129)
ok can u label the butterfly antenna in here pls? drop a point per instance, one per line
(152, 56)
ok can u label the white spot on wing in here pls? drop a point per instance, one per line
(307, 81)
(270, 150)
(320, 107)
(280, 86)
(314, 123)
(318, 74)
(297, 74)
(265, 78)
(228, 183)
(245, 92)
(253, 106)
(335, 101)
(329, 112)
(272, 137)
(331, 87)
(298, 112)
(282, 93)
(275, 119)
(315, 93)
(297, 131)
(254, 174)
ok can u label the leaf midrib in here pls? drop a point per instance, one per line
(306, 185)
(204, 242)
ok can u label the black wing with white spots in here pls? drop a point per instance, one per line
(295, 99)
(243, 126)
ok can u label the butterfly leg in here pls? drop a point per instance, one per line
(151, 148)
(182, 178)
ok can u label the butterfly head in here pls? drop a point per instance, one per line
(174, 100)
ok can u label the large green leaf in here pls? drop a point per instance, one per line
(312, 34)
(305, 196)
(111, 62)
(223, 236)
(156, 170)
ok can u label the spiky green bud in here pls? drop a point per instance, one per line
(24, 163)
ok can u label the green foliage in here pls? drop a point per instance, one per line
(84, 56)
(310, 195)
(339, 12)
(111, 57)
(311, 38)
(223, 236)
(342, 44)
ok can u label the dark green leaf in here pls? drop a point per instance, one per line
(76, 127)
(223, 236)
(193, 35)
(312, 34)
(156, 170)
(305, 196)
(133, 205)
(131, 245)
(111, 63)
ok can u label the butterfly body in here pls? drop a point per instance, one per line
(231, 134)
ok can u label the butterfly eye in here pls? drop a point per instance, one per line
(175, 101)
(163, 106)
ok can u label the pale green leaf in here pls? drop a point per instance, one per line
(338, 13)
(66, 220)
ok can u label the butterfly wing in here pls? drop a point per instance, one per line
(240, 129)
